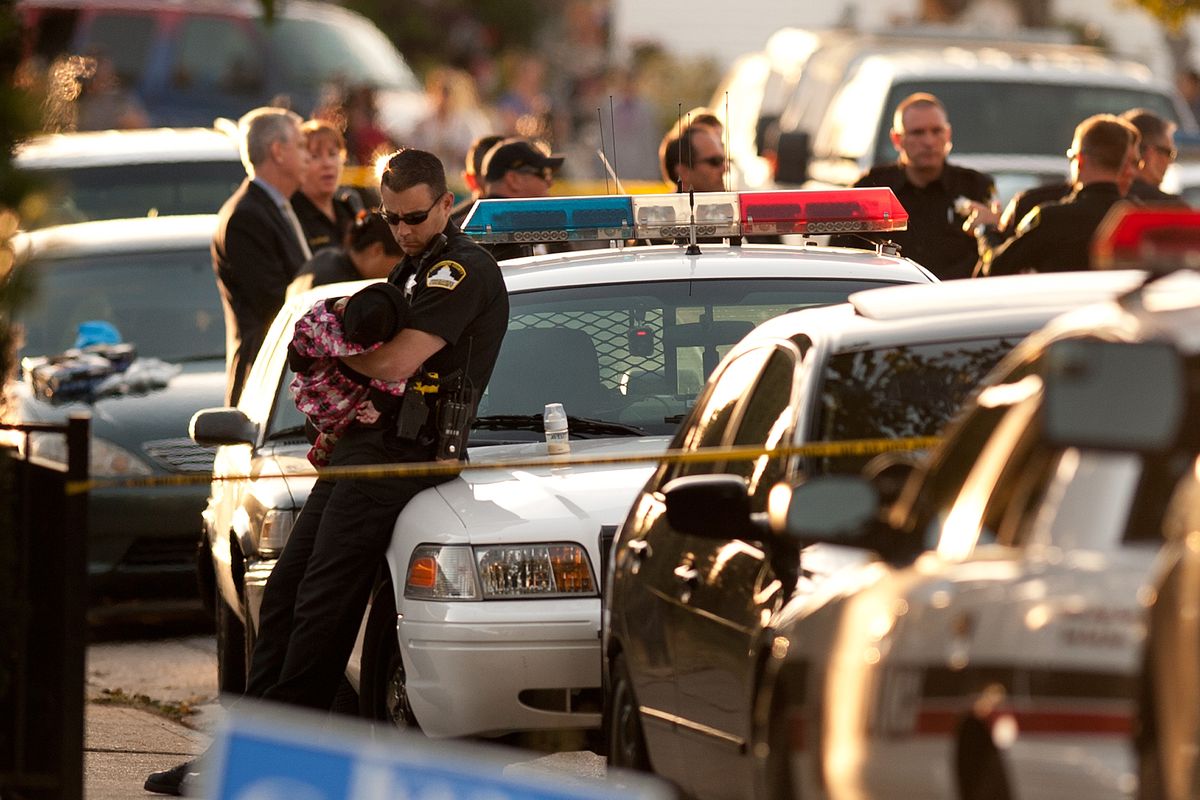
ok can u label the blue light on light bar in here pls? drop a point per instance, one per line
(551, 219)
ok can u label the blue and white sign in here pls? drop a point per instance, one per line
(267, 753)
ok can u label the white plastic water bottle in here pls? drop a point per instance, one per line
(555, 421)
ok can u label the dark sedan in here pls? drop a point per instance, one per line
(151, 281)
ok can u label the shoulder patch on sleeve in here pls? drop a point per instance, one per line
(445, 275)
(1031, 221)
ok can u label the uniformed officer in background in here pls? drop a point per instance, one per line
(318, 590)
(937, 195)
(1057, 237)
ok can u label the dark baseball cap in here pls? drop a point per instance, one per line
(514, 154)
(375, 314)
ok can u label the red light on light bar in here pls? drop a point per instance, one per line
(1154, 239)
(822, 211)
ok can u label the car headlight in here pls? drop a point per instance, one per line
(538, 570)
(458, 572)
(276, 528)
(107, 460)
(439, 572)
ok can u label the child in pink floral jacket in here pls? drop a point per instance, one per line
(332, 395)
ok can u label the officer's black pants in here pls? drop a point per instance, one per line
(315, 597)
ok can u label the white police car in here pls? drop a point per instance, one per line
(700, 594)
(993, 649)
(487, 618)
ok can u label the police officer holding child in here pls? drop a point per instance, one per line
(316, 595)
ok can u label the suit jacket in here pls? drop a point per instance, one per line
(255, 255)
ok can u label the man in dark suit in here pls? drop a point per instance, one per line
(258, 246)
(1157, 154)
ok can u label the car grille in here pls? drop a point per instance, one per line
(181, 455)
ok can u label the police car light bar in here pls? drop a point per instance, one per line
(1158, 240)
(671, 216)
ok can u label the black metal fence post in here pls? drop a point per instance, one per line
(43, 622)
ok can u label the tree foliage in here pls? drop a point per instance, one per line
(18, 117)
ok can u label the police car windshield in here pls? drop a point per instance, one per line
(982, 114)
(900, 391)
(633, 353)
(163, 303)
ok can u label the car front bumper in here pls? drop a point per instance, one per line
(479, 668)
(142, 541)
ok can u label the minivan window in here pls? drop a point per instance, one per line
(125, 40)
(310, 51)
(981, 113)
(217, 54)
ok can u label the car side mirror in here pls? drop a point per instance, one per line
(217, 426)
(711, 506)
(792, 154)
(832, 509)
(1112, 395)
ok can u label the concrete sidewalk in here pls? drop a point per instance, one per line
(122, 745)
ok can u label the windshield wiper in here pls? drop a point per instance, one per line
(577, 425)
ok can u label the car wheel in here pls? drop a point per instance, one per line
(626, 741)
(777, 771)
(383, 693)
(231, 648)
(981, 774)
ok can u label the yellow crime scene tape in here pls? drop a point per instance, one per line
(857, 447)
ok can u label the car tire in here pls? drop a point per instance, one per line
(231, 648)
(777, 772)
(626, 740)
(382, 692)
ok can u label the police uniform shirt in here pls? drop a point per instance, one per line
(457, 293)
(934, 238)
(1056, 237)
(320, 230)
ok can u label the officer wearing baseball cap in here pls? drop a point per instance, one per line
(518, 168)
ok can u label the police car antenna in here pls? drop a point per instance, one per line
(692, 249)
(603, 160)
(726, 128)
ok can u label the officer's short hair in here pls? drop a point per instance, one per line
(1149, 125)
(915, 100)
(409, 167)
(1105, 138)
(681, 149)
(263, 127)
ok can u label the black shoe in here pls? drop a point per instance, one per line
(172, 781)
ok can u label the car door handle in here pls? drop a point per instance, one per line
(640, 548)
(687, 574)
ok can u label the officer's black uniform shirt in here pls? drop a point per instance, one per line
(1150, 195)
(320, 230)
(990, 238)
(1056, 237)
(457, 293)
(934, 238)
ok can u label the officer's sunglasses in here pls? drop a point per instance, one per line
(716, 162)
(411, 218)
(545, 173)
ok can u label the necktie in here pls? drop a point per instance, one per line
(290, 213)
